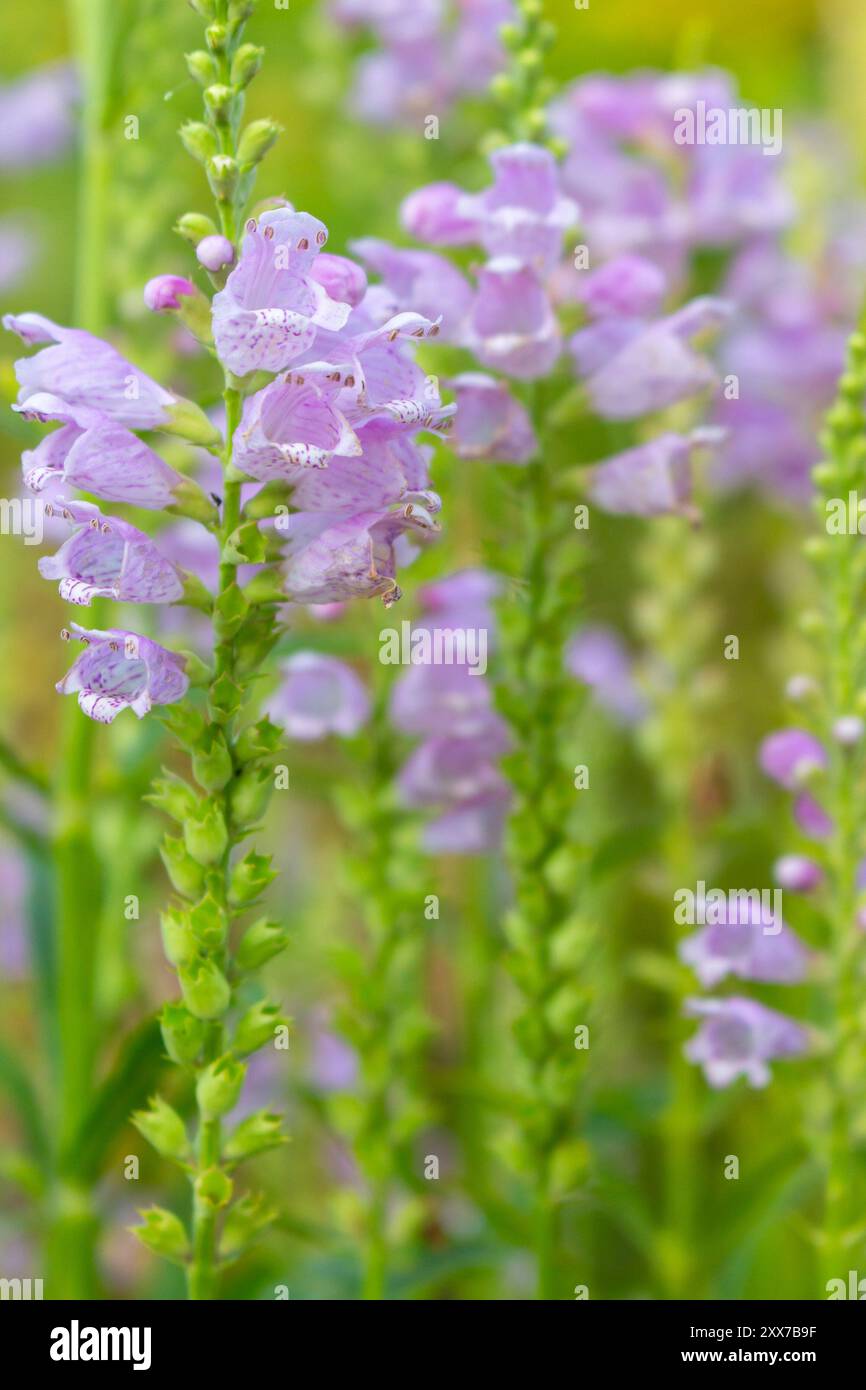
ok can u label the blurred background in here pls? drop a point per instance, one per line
(458, 1237)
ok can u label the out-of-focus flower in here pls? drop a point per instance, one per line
(490, 422)
(14, 956)
(318, 695)
(747, 942)
(652, 479)
(791, 756)
(36, 116)
(598, 657)
(739, 1037)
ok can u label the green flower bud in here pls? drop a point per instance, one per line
(178, 941)
(250, 877)
(260, 943)
(198, 140)
(163, 1233)
(182, 1034)
(223, 174)
(246, 1219)
(256, 139)
(569, 1164)
(257, 1027)
(205, 833)
(246, 64)
(250, 794)
(258, 741)
(230, 610)
(211, 760)
(224, 697)
(202, 67)
(205, 8)
(173, 795)
(563, 1010)
(218, 99)
(189, 500)
(194, 227)
(254, 1135)
(208, 924)
(216, 35)
(189, 421)
(162, 1127)
(213, 1188)
(219, 1086)
(206, 991)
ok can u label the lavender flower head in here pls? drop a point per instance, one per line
(318, 695)
(739, 1038)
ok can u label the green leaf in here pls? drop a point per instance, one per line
(127, 1087)
(19, 1088)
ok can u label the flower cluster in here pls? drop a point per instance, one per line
(453, 771)
(429, 54)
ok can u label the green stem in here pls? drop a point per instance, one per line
(73, 1227)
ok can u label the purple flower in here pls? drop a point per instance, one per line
(443, 769)
(165, 292)
(490, 423)
(473, 826)
(739, 1037)
(420, 281)
(797, 874)
(96, 454)
(119, 670)
(791, 756)
(290, 425)
(512, 326)
(36, 121)
(652, 479)
(318, 695)
(442, 700)
(13, 914)
(628, 286)
(16, 253)
(109, 558)
(391, 468)
(637, 368)
(215, 253)
(433, 214)
(812, 818)
(597, 656)
(523, 215)
(461, 600)
(269, 312)
(745, 942)
(333, 1063)
(333, 557)
(85, 371)
(343, 279)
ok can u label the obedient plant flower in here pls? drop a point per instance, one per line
(747, 942)
(330, 558)
(109, 558)
(431, 284)
(94, 453)
(628, 287)
(36, 116)
(166, 292)
(797, 874)
(598, 657)
(120, 670)
(640, 368)
(215, 253)
(653, 479)
(791, 757)
(523, 215)
(490, 423)
(738, 1037)
(85, 371)
(318, 695)
(512, 326)
(291, 425)
(267, 315)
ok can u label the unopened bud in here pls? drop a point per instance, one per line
(257, 1027)
(163, 1233)
(219, 1086)
(162, 1127)
(206, 991)
(182, 1033)
(256, 139)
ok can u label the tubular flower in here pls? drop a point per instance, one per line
(119, 670)
(109, 558)
(330, 558)
(318, 695)
(739, 1037)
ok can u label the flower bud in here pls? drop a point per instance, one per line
(163, 1233)
(797, 874)
(213, 1189)
(208, 924)
(178, 941)
(250, 877)
(343, 279)
(206, 991)
(205, 8)
(201, 66)
(195, 227)
(211, 761)
(216, 35)
(215, 253)
(250, 794)
(162, 1127)
(219, 1086)
(223, 174)
(172, 795)
(258, 740)
(218, 100)
(254, 1135)
(165, 292)
(246, 64)
(243, 1222)
(205, 834)
(256, 139)
(189, 421)
(257, 1027)
(182, 1033)
(198, 140)
(259, 943)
